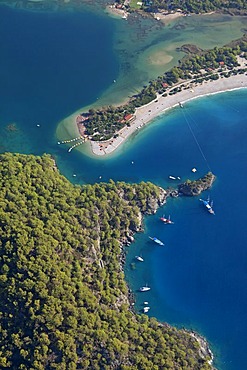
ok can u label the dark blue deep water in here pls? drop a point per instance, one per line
(50, 65)
(198, 280)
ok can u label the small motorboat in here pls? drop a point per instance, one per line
(139, 258)
(146, 309)
(144, 288)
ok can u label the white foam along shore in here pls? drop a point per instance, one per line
(161, 104)
(205, 350)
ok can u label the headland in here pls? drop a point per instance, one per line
(113, 131)
(203, 74)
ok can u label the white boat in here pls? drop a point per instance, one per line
(146, 309)
(156, 240)
(146, 302)
(139, 258)
(144, 288)
(174, 177)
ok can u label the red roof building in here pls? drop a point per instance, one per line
(80, 119)
(128, 117)
(164, 84)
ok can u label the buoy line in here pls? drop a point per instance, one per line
(70, 141)
(194, 136)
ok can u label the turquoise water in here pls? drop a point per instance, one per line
(52, 64)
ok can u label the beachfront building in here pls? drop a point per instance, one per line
(129, 118)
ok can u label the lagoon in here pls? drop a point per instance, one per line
(53, 64)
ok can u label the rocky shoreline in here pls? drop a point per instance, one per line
(205, 351)
(188, 188)
(194, 188)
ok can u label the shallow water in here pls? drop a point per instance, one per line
(136, 42)
(55, 63)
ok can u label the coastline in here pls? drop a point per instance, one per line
(167, 18)
(74, 127)
(162, 16)
(203, 345)
(204, 349)
(114, 12)
(146, 114)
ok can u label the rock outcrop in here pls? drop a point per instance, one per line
(155, 202)
(193, 188)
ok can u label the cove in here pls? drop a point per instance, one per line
(199, 279)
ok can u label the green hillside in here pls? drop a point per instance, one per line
(64, 302)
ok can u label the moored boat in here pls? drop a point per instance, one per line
(146, 309)
(208, 205)
(139, 258)
(166, 220)
(144, 288)
(156, 240)
(174, 177)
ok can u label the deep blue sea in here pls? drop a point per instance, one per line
(42, 71)
(198, 279)
(50, 65)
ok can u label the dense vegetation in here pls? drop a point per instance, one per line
(187, 6)
(193, 188)
(194, 6)
(102, 124)
(63, 296)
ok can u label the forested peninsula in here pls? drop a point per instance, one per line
(64, 301)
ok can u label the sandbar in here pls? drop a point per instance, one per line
(160, 58)
(161, 104)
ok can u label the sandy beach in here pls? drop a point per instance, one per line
(115, 12)
(164, 17)
(161, 104)
(167, 17)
